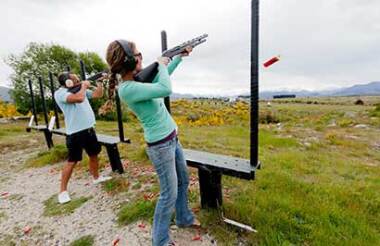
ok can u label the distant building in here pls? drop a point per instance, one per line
(284, 96)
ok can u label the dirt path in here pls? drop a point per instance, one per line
(23, 207)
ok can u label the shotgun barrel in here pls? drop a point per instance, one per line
(147, 74)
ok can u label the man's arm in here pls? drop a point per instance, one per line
(80, 95)
(98, 92)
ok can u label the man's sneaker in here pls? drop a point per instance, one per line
(101, 179)
(63, 197)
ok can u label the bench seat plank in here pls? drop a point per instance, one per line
(107, 139)
(102, 138)
(228, 165)
(39, 127)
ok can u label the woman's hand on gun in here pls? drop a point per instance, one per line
(163, 60)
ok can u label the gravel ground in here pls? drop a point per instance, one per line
(23, 192)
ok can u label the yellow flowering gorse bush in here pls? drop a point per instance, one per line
(209, 113)
(7, 110)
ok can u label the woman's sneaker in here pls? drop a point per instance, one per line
(101, 179)
(63, 197)
(195, 225)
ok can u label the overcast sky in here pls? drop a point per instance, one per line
(323, 44)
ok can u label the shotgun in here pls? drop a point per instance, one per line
(92, 78)
(147, 74)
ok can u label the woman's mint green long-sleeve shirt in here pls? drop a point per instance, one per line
(146, 100)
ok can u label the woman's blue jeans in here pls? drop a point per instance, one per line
(171, 168)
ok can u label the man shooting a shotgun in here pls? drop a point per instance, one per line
(79, 125)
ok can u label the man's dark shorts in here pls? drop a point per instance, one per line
(78, 141)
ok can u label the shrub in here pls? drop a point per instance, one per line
(7, 110)
(268, 117)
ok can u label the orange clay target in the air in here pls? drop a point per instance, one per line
(271, 61)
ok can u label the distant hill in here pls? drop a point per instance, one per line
(175, 96)
(5, 94)
(372, 88)
(369, 89)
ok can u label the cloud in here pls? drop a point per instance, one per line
(323, 44)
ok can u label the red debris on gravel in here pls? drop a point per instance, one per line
(148, 196)
(4, 194)
(116, 241)
(197, 238)
(126, 163)
(27, 229)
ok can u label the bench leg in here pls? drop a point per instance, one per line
(49, 138)
(114, 157)
(210, 185)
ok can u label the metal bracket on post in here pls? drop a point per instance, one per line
(233, 222)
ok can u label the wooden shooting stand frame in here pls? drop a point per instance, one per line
(211, 166)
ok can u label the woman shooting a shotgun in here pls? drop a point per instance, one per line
(160, 132)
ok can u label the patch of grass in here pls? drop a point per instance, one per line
(56, 154)
(136, 186)
(53, 208)
(15, 197)
(376, 111)
(268, 139)
(4, 179)
(134, 211)
(7, 240)
(322, 193)
(193, 196)
(2, 216)
(213, 141)
(225, 235)
(11, 129)
(88, 240)
(345, 122)
(116, 185)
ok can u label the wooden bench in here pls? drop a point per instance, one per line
(40, 128)
(211, 167)
(110, 142)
